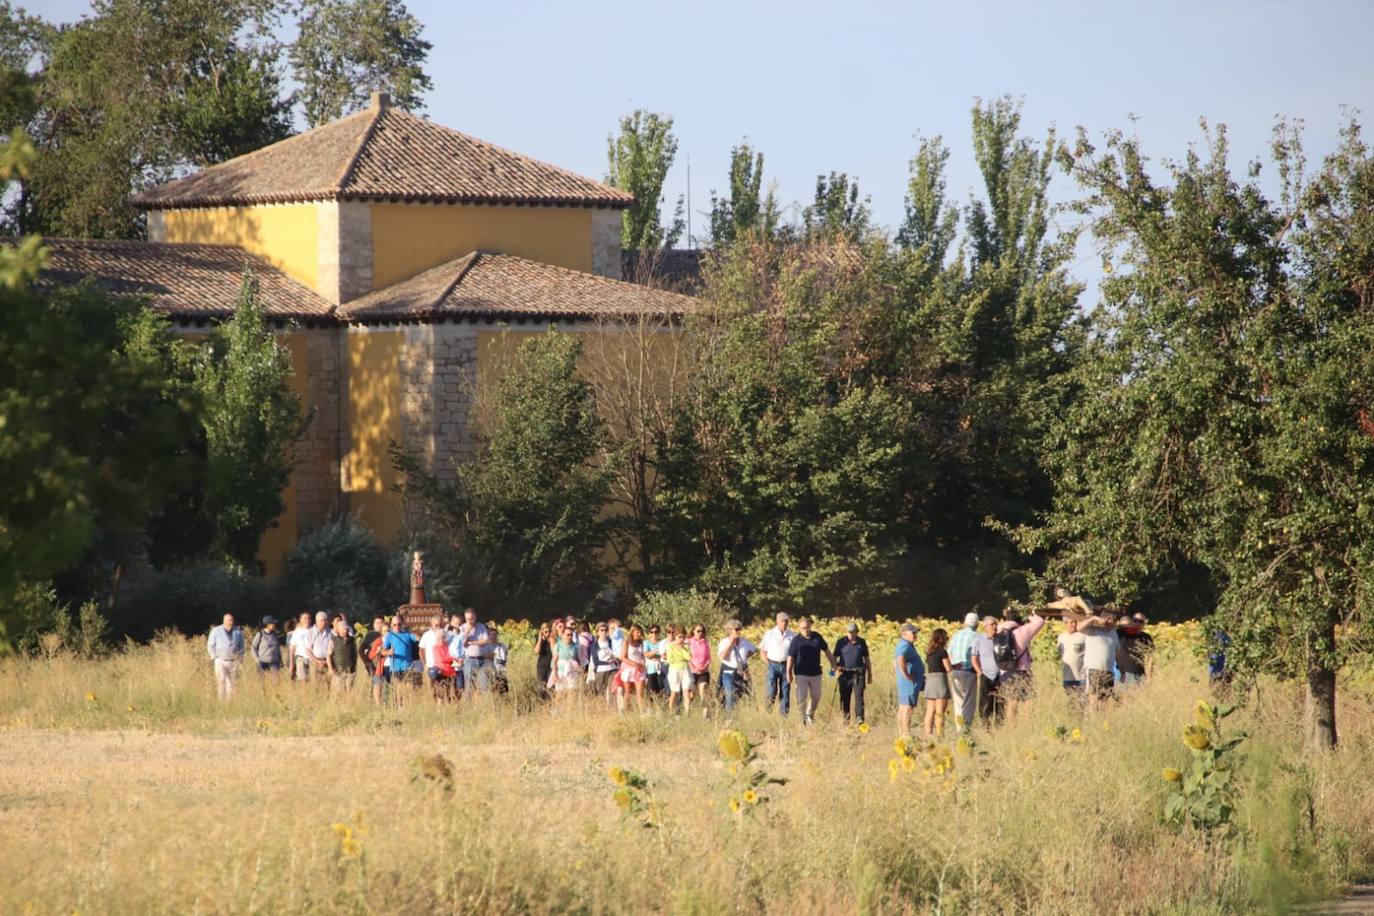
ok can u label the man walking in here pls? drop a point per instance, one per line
(963, 681)
(991, 707)
(267, 646)
(475, 641)
(855, 669)
(777, 644)
(343, 655)
(225, 647)
(804, 668)
(321, 644)
(299, 644)
(734, 652)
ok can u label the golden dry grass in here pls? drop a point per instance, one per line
(126, 787)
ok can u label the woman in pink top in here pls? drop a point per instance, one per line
(632, 668)
(700, 664)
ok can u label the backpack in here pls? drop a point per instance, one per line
(1004, 650)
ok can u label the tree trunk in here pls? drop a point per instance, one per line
(1321, 695)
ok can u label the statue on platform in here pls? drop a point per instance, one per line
(417, 572)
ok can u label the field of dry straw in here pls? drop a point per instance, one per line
(126, 787)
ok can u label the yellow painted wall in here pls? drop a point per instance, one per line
(410, 238)
(286, 235)
(280, 538)
(374, 419)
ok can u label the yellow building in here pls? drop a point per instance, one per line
(395, 255)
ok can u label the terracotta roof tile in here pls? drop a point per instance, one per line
(383, 153)
(483, 284)
(182, 280)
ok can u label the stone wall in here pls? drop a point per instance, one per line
(316, 472)
(344, 241)
(438, 391)
(606, 242)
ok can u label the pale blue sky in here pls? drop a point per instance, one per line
(821, 86)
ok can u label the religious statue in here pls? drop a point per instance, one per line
(417, 572)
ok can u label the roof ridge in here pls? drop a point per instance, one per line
(469, 261)
(352, 163)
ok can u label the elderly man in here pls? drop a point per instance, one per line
(855, 669)
(474, 646)
(321, 644)
(804, 668)
(225, 647)
(911, 677)
(777, 643)
(299, 645)
(963, 679)
(343, 655)
(992, 708)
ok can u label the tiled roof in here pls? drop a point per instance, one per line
(382, 153)
(183, 280)
(483, 284)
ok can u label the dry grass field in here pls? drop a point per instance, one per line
(125, 787)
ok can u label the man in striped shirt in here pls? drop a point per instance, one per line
(963, 679)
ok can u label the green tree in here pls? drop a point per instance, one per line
(527, 516)
(1225, 417)
(747, 209)
(638, 160)
(930, 225)
(837, 209)
(348, 48)
(138, 90)
(252, 420)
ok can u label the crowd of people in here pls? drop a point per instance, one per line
(982, 671)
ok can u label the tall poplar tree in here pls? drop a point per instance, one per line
(638, 160)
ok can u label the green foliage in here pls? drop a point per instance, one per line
(252, 419)
(749, 785)
(347, 48)
(638, 160)
(635, 798)
(138, 90)
(930, 225)
(189, 599)
(684, 608)
(836, 211)
(527, 515)
(1229, 382)
(1204, 796)
(747, 209)
(338, 567)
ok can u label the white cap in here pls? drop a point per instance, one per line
(970, 619)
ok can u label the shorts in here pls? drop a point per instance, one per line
(680, 680)
(937, 686)
(381, 676)
(1100, 684)
(701, 677)
(907, 694)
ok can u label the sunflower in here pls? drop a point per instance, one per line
(750, 797)
(963, 747)
(1076, 736)
(1197, 738)
(618, 776)
(908, 764)
(863, 728)
(1172, 775)
(893, 766)
(734, 806)
(623, 799)
(90, 698)
(733, 745)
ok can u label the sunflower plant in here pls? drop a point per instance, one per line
(635, 799)
(1204, 795)
(749, 782)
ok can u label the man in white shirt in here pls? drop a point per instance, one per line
(475, 641)
(225, 648)
(1071, 645)
(734, 653)
(299, 644)
(321, 644)
(1101, 653)
(777, 642)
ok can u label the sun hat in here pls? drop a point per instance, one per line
(269, 619)
(971, 619)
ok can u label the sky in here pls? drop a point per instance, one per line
(847, 87)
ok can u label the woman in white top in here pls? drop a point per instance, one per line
(1071, 645)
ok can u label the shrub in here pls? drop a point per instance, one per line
(339, 566)
(684, 608)
(190, 599)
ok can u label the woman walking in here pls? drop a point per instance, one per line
(679, 669)
(604, 663)
(700, 664)
(938, 670)
(567, 673)
(633, 666)
(543, 659)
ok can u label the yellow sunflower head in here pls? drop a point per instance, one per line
(750, 797)
(863, 728)
(618, 776)
(1172, 775)
(733, 745)
(1197, 738)
(623, 799)
(734, 806)
(908, 764)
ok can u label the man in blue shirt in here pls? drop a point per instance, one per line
(405, 653)
(225, 647)
(911, 677)
(991, 706)
(963, 680)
